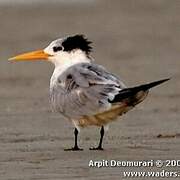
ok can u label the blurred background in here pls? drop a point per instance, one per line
(137, 40)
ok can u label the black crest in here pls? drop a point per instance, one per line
(77, 42)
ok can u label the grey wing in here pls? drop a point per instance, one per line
(83, 90)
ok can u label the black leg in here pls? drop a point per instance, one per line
(100, 141)
(75, 148)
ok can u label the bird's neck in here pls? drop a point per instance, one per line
(68, 60)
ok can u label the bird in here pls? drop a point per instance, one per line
(82, 91)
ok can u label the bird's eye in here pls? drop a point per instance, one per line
(57, 48)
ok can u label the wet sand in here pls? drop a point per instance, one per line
(139, 41)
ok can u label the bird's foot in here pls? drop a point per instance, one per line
(99, 148)
(75, 148)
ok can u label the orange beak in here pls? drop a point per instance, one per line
(34, 55)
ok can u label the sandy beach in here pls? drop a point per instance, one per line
(137, 40)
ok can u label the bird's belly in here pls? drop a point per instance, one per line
(116, 110)
(105, 117)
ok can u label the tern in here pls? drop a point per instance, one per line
(83, 91)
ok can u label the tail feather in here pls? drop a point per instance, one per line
(122, 103)
(132, 92)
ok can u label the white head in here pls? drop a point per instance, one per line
(68, 50)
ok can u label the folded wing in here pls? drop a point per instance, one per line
(84, 90)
